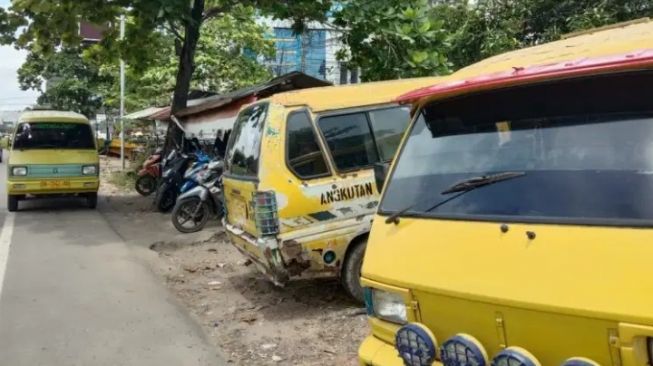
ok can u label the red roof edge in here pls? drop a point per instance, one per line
(596, 65)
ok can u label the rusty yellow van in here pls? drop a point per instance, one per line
(516, 224)
(299, 183)
(52, 153)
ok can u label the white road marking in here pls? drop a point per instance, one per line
(5, 242)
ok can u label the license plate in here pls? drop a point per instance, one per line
(55, 184)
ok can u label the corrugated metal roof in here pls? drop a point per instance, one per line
(145, 113)
(290, 81)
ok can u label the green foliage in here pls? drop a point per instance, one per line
(388, 39)
(495, 26)
(123, 180)
(159, 33)
(220, 62)
(71, 83)
(393, 38)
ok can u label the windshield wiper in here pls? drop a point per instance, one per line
(485, 180)
(471, 184)
(394, 218)
(461, 188)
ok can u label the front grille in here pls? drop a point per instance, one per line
(54, 171)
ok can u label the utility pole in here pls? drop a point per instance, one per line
(122, 97)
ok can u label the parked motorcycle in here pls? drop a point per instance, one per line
(149, 175)
(194, 208)
(191, 176)
(171, 180)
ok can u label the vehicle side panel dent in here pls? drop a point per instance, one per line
(304, 256)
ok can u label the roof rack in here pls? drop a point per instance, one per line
(605, 27)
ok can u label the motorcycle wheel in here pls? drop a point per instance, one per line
(145, 185)
(190, 215)
(165, 198)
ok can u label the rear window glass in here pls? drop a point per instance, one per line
(389, 126)
(305, 158)
(245, 141)
(350, 140)
(53, 135)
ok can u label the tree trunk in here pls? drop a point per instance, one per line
(186, 68)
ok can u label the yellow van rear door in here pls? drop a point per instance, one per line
(242, 166)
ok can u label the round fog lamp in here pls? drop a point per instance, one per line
(580, 361)
(515, 356)
(416, 344)
(329, 256)
(463, 350)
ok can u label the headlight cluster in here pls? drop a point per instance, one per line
(89, 170)
(417, 346)
(19, 171)
(386, 305)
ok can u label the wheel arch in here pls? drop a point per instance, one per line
(358, 239)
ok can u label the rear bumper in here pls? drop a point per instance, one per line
(264, 252)
(41, 187)
(375, 352)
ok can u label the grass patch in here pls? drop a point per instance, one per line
(123, 180)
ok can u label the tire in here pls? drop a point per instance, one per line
(165, 198)
(12, 203)
(183, 214)
(91, 200)
(351, 271)
(145, 185)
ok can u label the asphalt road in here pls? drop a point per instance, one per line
(73, 293)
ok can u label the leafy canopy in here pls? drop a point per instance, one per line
(393, 38)
(388, 39)
(45, 27)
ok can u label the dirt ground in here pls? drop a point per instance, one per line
(250, 321)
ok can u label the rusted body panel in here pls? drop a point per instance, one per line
(318, 218)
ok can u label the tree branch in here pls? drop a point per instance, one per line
(171, 27)
(213, 12)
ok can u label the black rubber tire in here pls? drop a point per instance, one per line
(12, 203)
(351, 271)
(91, 200)
(165, 198)
(145, 185)
(191, 203)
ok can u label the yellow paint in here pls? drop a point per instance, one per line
(304, 239)
(41, 185)
(574, 291)
(130, 148)
(330, 98)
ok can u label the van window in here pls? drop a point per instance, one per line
(305, 158)
(389, 126)
(350, 140)
(582, 151)
(245, 141)
(53, 135)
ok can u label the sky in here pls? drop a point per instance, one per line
(11, 97)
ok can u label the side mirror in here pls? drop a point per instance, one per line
(380, 173)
